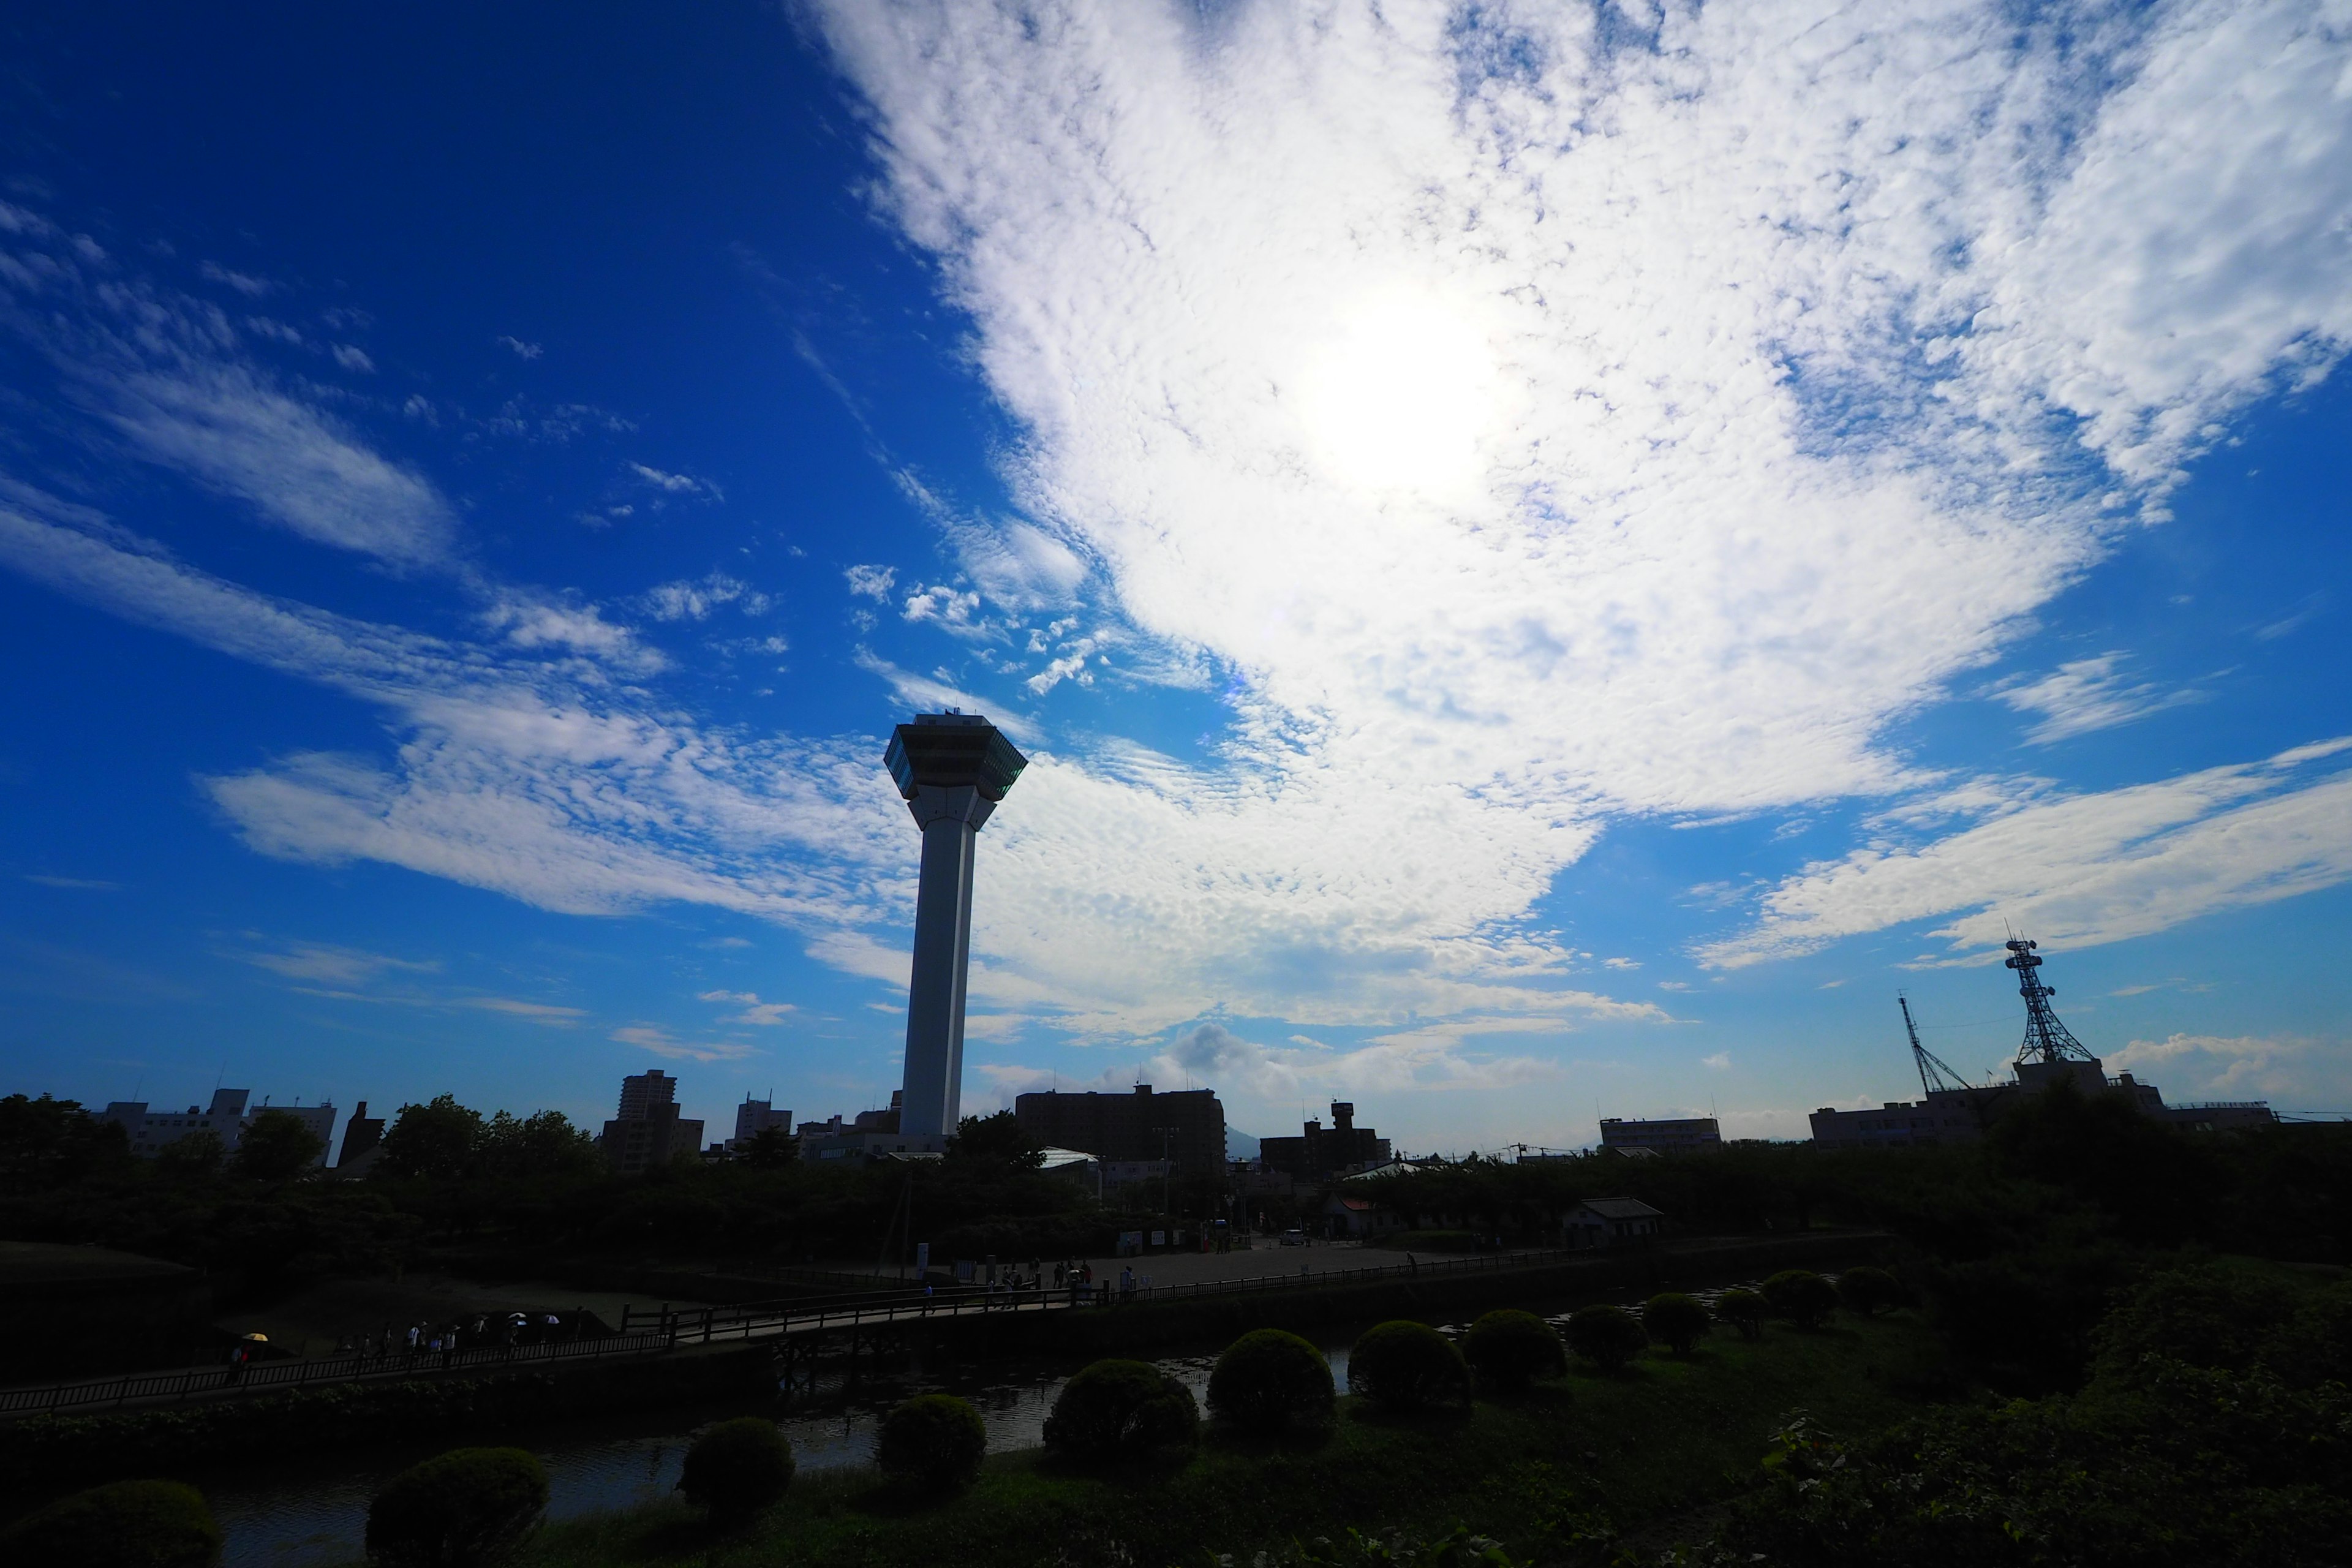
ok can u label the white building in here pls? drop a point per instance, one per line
(150, 1132)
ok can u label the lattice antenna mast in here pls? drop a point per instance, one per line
(2046, 1039)
(1935, 1073)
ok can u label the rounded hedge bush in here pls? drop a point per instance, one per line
(1869, 1290)
(1118, 1409)
(737, 1467)
(1608, 1337)
(1801, 1296)
(1510, 1349)
(1744, 1309)
(1269, 1380)
(1676, 1321)
(933, 1442)
(125, 1524)
(1406, 1365)
(465, 1509)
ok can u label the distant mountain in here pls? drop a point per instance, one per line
(1240, 1145)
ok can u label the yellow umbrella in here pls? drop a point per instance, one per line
(263, 1339)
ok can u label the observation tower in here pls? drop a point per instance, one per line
(951, 768)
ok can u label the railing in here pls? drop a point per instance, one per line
(749, 1319)
(2221, 1105)
(259, 1375)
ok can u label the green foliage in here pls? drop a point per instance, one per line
(126, 1524)
(1869, 1291)
(436, 1139)
(190, 1156)
(1608, 1337)
(1744, 1311)
(999, 1140)
(1120, 1409)
(1269, 1380)
(1676, 1321)
(771, 1149)
(47, 1144)
(1801, 1296)
(276, 1147)
(932, 1443)
(467, 1508)
(737, 1467)
(1509, 1348)
(1406, 1365)
(1458, 1547)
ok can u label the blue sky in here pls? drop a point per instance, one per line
(1549, 559)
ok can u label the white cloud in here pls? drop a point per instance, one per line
(2190, 1067)
(694, 599)
(2086, 694)
(2081, 870)
(245, 283)
(354, 358)
(335, 965)
(662, 1043)
(1720, 1061)
(519, 348)
(541, 1013)
(763, 1015)
(871, 581)
(676, 484)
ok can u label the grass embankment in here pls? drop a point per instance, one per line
(1668, 1436)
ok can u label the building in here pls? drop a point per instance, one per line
(1185, 1126)
(648, 1132)
(363, 1136)
(226, 1118)
(1318, 1152)
(1954, 1112)
(754, 1117)
(1610, 1222)
(867, 1135)
(951, 768)
(1667, 1135)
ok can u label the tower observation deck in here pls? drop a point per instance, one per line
(951, 768)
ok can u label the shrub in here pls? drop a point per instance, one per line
(1511, 1349)
(1608, 1337)
(1269, 1380)
(1744, 1311)
(933, 1442)
(1406, 1365)
(1868, 1291)
(126, 1524)
(1116, 1409)
(1801, 1296)
(1675, 1319)
(465, 1509)
(738, 1468)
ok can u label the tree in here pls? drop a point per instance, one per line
(772, 1149)
(436, 1140)
(277, 1147)
(1868, 1291)
(49, 1142)
(999, 1140)
(152, 1524)
(1608, 1337)
(1268, 1380)
(1675, 1319)
(1510, 1349)
(1406, 1365)
(736, 1469)
(932, 1443)
(542, 1144)
(469, 1508)
(196, 1154)
(1744, 1311)
(1801, 1296)
(1118, 1409)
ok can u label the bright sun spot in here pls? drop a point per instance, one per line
(1399, 398)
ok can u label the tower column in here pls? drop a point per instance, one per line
(951, 768)
(950, 819)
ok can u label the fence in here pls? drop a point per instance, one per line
(747, 1320)
(256, 1376)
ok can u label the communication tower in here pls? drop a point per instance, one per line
(1935, 1073)
(2047, 1040)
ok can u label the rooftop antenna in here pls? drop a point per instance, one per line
(2046, 1039)
(1935, 1073)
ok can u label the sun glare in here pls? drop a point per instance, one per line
(1398, 399)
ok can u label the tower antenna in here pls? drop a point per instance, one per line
(2046, 1039)
(1935, 1073)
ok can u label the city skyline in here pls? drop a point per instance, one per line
(1544, 566)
